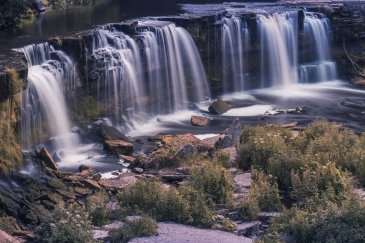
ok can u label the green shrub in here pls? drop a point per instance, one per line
(248, 210)
(323, 181)
(185, 205)
(142, 227)
(12, 12)
(70, 225)
(213, 181)
(260, 144)
(100, 216)
(265, 191)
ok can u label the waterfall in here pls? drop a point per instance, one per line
(121, 82)
(50, 73)
(235, 40)
(316, 32)
(158, 71)
(175, 71)
(278, 35)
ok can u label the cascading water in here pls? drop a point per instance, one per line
(121, 84)
(175, 71)
(278, 35)
(157, 75)
(50, 73)
(316, 32)
(235, 40)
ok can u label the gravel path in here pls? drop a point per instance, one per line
(177, 233)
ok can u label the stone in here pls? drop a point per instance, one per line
(231, 152)
(57, 184)
(219, 107)
(199, 121)
(121, 182)
(243, 181)
(186, 150)
(66, 194)
(234, 130)
(91, 184)
(82, 191)
(137, 170)
(118, 147)
(249, 229)
(97, 177)
(174, 178)
(127, 159)
(220, 217)
(46, 157)
(110, 133)
(224, 141)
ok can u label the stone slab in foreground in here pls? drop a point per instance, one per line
(177, 233)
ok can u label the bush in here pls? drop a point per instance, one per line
(185, 205)
(141, 227)
(248, 210)
(100, 216)
(325, 181)
(330, 223)
(213, 181)
(265, 191)
(260, 144)
(71, 225)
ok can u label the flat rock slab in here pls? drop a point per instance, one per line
(243, 180)
(177, 233)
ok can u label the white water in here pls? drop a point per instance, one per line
(160, 74)
(278, 34)
(235, 40)
(121, 83)
(316, 32)
(43, 100)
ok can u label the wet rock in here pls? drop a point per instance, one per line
(127, 159)
(219, 107)
(249, 229)
(186, 150)
(224, 141)
(110, 133)
(137, 170)
(46, 157)
(115, 173)
(57, 184)
(94, 185)
(234, 130)
(97, 177)
(174, 178)
(118, 147)
(199, 121)
(121, 182)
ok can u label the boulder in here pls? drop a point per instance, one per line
(57, 184)
(219, 107)
(91, 184)
(118, 147)
(186, 150)
(137, 170)
(199, 121)
(46, 157)
(110, 133)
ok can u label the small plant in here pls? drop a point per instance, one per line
(248, 209)
(265, 191)
(141, 227)
(70, 225)
(100, 216)
(185, 205)
(213, 181)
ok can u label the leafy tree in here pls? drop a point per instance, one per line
(11, 12)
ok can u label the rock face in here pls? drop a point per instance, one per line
(219, 107)
(199, 121)
(118, 147)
